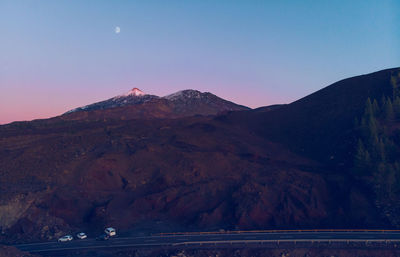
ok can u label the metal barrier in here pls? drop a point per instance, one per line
(277, 231)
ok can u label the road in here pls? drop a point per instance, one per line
(215, 239)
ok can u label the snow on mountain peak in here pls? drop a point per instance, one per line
(135, 92)
(188, 93)
(184, 99)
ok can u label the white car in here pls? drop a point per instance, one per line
(81, 235)
(110, 231)
(65, 238)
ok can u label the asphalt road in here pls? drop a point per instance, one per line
(177, 240)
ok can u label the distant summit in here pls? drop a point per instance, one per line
(134, 92)
(184, 94)
(182, 103)
(132, 97)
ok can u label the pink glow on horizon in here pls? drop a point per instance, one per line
(39, 104)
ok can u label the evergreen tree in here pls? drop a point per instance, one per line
(383, 102)
(389, 114)
(375, 108)
(359, 159)
(368, 111)
(373, 148)
(369, 124)
(372, 127)
(362, 159)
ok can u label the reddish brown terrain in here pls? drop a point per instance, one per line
(196, 172)
(286, 166)
(300, 252)
(249, 252)
(8, 251)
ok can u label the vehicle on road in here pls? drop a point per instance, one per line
(102, 237)
(65, 238)
(81, 235)
(110, 231)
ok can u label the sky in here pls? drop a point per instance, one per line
(58, 55)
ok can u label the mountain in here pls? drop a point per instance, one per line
(252, 169)
(133, 97)
(352, 127)
(137, 104)
(321, 124)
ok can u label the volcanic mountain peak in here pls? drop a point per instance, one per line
(134, 92)
(182, 103)
(187, 93)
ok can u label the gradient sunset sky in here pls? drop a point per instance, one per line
(58, 55)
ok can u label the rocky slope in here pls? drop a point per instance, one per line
(195, 172)
(8, 251)
(198, 173)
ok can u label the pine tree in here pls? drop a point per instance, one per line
(360, 155)
(369, 124)
(368, 111)
(362, 159)
(374, 148)
(383, 102)
(375, 108)
(389, 114)
(372, 127)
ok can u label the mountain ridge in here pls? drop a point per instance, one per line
(318, 123)
(179, 104)
(136, 96)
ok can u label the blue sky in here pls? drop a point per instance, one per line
(58, 55)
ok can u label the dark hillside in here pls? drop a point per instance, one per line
(320, 125)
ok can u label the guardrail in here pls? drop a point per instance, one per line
(279, 231)
(286, 240)
(209, 242)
